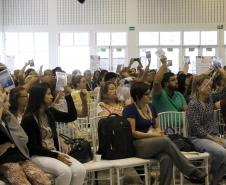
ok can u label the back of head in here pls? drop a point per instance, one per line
(76, 72)
(75, 80)
(110, 76)
(57, 69)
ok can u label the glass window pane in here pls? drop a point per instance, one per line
(169, 38)
(173, 54)
(66, 39)
(192, 53)
(11, 43)
(148, 38)
(118, 57)
(103, 39)
(208, 38)
(208, 52)
(191, 38)
(26, 41)
(154, 60)
(81, 39)
(41, 42)
(78, 54)
(24, 57)
(41, 58)
(104, 58)
(118, 39)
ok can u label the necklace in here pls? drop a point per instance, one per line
(144, 112)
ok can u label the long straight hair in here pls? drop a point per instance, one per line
(36, 98)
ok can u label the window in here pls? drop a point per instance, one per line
(148, 38)
(208, 52)
(191, 38)
(73, 51)
(23, 46)
(111, 47)
(170, 38)
(154, 60)
(103, 39)
(118, 39)
(173, 54)
(208, 38)
(192, 53)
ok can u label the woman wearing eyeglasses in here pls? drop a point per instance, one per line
(149, 141)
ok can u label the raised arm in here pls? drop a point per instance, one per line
(157, 87)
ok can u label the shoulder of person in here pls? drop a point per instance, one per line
(193, 102)
(178, 93)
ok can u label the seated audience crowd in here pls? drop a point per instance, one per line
(29, 148)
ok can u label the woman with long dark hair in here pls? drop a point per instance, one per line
(39, 122)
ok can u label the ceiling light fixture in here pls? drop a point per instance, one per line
(81, 1)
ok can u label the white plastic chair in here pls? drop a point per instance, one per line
(119, 164)
(177, 121)
(92, 166)
(218, 118)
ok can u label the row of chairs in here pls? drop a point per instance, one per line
(88, 127)
(112, 166)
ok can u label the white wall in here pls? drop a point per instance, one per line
(117, 15)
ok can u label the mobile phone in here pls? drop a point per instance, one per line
(31, 63)
(187, 60)
(170, 62)
(148, 55)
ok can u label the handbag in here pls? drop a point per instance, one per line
(80, 148)
(183, 143)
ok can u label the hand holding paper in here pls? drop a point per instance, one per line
(160, 52)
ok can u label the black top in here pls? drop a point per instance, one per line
(33, 131)
(12, 154)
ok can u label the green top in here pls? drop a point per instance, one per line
(163, 102)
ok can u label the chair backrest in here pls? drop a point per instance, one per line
(218, 118)
(92, 109)
(94, 130)
(175, 120)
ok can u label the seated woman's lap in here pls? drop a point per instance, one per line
(150, 147)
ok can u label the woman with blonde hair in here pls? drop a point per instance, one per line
(202, 129)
